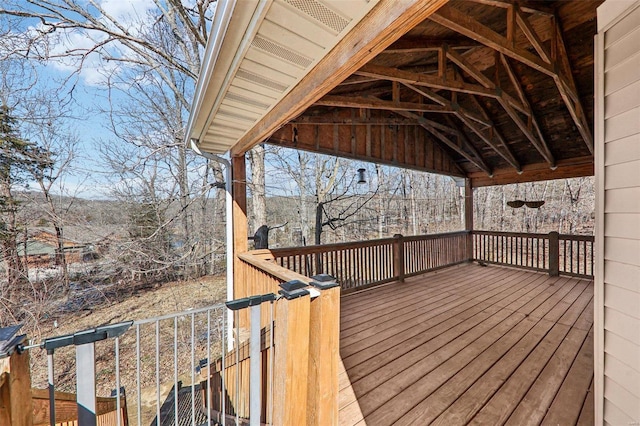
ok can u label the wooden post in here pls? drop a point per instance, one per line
(468, 216)
(240, 234)
(324, 358)
(554, 254)
(291, 366)
(398, 257)
(16, 405)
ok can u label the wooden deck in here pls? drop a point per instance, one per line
(469, 345)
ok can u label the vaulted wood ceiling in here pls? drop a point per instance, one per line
(494, 90)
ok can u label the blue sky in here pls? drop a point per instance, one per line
(86, 89)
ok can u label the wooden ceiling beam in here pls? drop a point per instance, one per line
(477, 161)
(507, 103)
(486, 81)
(373, 103)
(468, 117)
(455, 20)
(531, 35)
(385, 23)
(536, 8)
(576, 167)
(356, 79)
(568, 90)
(426, 45)
(484, 120)
(394, 74)
(516, 84)
(328, 120)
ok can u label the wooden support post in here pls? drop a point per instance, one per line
(324, 358)
(398, 257)
(240, 234)
(554, 254)
(16, 405)
(468, 216)
(291, 369)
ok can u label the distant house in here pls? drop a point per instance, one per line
(40, 249)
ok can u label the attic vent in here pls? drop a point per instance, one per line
(281, 51)
(320, 12)
(248, 101)
(263, 81)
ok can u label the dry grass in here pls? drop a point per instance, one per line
(161, 300)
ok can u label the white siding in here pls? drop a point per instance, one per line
(617, 307)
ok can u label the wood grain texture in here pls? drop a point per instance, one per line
(466, 344)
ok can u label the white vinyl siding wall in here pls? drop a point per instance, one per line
(617, 342)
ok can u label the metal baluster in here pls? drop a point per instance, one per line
(158, 421)
(209, 368)
(52, 389)
(237, 343)
(193, 369)
(138, 397)
(223, 388)
(175, 369)
(118, 408)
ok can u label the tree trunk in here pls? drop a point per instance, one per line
(259, 202)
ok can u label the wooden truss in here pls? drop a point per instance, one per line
(455, 74)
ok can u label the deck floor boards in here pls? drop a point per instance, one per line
(468, 345)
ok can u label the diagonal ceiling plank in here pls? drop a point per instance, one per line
(401, 76)
(516, 84)
(466, 117)
(539, 143)
(374, 103)
(456, 20)
(429, 94)
(569, 92)
(478, 161)
(531, 35)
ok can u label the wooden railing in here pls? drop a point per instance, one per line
(429, 252)
(354, 265)
(554, 253)
(67, 409)
(358, 265)
(21, 405)
(576, 255)
(299, 370)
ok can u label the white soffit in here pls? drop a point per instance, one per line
(257, 52)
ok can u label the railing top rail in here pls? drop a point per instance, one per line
(534, 235)
(273, 269)
(284, 251)
(179, 314)
(327, 247)
(434, 236)
(588, 238)
(511, 234)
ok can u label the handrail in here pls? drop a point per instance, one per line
(564, 254)
(361, 264)
(272, 269)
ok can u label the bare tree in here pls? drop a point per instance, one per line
(148, 61)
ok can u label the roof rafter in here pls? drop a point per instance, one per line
(456, 20)
(468, 117)
(374, 103)
(539, 143)
(475, 158)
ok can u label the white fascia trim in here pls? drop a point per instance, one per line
(221, 19)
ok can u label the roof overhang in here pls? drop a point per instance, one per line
(268, 60)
